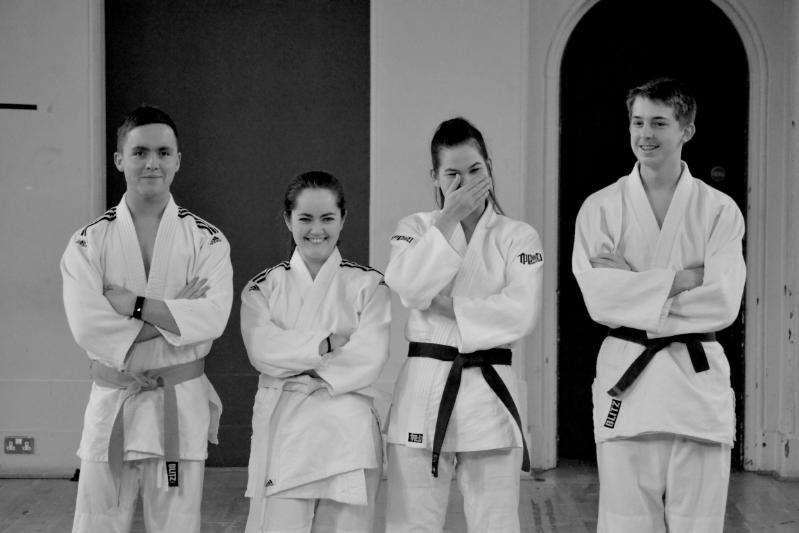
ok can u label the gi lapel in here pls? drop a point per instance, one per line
(162, 252)
(315, 294)
(675, 217)
(458, 240)
(132, 261)
(458, 243)
(473, 254)
(642, 210)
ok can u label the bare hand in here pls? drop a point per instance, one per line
(460, 202)
(442, 305)
(685, 280)
(698, 274)
(610, 260)
(121, 299)
(147, 332)
(194, 289)
(337, 341)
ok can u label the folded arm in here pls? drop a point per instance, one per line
(358, 362)
(274, 350)
(703, 298)
(155, 313)
(422, 263)
(97, 327)
(203, 317)
(616, 296)
(510, 314)
(715, 303)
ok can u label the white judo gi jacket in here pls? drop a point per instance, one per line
(495, 285)
(107, 251)
(703, 227)
(313, 438)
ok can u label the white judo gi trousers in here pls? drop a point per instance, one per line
(663, 482)
(488, 480)
(165, 509)
(304, 515)
(275, 514)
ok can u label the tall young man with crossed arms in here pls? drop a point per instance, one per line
(658, 258)
(147, 288)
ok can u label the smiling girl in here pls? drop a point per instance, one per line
(316, 327)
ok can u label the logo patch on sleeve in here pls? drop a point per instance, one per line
(402, 238)
(530, 259)
(613, 414)
(415, 438)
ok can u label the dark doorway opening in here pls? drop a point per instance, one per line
(617, 45)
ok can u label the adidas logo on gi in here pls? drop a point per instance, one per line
(269, 483)
(613, 414)
(214, 240)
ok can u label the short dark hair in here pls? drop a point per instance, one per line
(454, 132)
(670, 92)
(141, 116)
(315, 179)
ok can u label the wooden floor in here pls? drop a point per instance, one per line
(562, 500)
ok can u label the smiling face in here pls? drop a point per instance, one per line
(656, 136)
(315, 223)
(149, 161)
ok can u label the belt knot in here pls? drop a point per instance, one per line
(484, 359)
(143, 382)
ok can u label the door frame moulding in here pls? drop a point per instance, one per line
(754, 344)
(96, 96)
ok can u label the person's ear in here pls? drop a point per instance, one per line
(434, 177)
(688, 132)
(118, 161)
(287, 220)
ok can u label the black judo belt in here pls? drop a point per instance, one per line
(484, 359)
(693, 341)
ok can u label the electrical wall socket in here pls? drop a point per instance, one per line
(18, 445)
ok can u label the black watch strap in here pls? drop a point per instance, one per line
(138, 307)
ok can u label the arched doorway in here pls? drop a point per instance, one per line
(619, 44)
